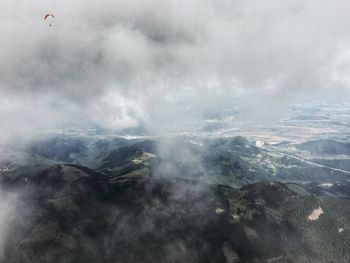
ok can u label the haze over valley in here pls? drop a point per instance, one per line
(161, 131)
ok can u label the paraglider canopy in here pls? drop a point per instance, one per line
(48, 15)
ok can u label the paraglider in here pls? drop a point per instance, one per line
(48, 16)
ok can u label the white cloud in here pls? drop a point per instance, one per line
(169, 60)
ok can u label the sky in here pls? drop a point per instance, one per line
(125, 63)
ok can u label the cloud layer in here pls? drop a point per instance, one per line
(117, 64)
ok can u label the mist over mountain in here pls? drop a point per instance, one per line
(214, 200)
(77, 196)
(163, 131)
